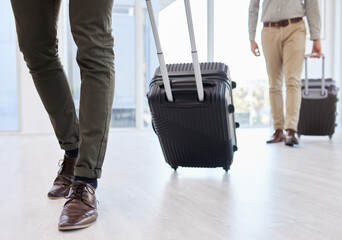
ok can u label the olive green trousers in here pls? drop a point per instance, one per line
(90, 22)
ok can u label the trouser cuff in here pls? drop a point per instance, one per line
(88, 173)
(293, 128)
(69, 146)
(276, 127)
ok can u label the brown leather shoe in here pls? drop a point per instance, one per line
(291, 138)
(80, 209)
(278, 136)
(65, 176)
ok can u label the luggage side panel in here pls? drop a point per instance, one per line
(193, 133)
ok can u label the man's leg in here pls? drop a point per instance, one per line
(91, 28)
(36, 23)
(294, 50)
(272, 49)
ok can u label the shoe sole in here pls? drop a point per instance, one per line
(291, 143)
(66, 228)
(55, 198)
(281, 140)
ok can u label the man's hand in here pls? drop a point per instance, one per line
(316, 49)
(255, 48)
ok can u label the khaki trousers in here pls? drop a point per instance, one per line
(284, 50)
(90, 20)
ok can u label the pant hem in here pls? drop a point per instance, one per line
(88, 173)
(278, 127)
(293, 128)
(71, 146)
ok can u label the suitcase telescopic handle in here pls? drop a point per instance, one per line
(306, 85)
(160, 54)
(163, 69)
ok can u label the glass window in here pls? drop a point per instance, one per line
(8, 68)
(249, 72)
(124, 49)
(151, 63)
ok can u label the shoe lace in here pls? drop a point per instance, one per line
(79, 193)
(61, 165)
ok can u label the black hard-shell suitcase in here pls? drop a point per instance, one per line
(193, 132)
(318, 107)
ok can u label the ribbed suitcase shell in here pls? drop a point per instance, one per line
(193, 133)
(318, 116)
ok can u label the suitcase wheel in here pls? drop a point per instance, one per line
(235, 148)
(237, 125)
(226, 168)
(174, 167)
(330, 137)
(298, 135)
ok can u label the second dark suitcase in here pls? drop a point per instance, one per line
(194, 133)
(318, 107)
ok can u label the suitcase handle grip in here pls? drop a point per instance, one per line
(183, 97)
(163, 69)
(306, 84)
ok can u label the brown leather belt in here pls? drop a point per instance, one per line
(282, 23)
